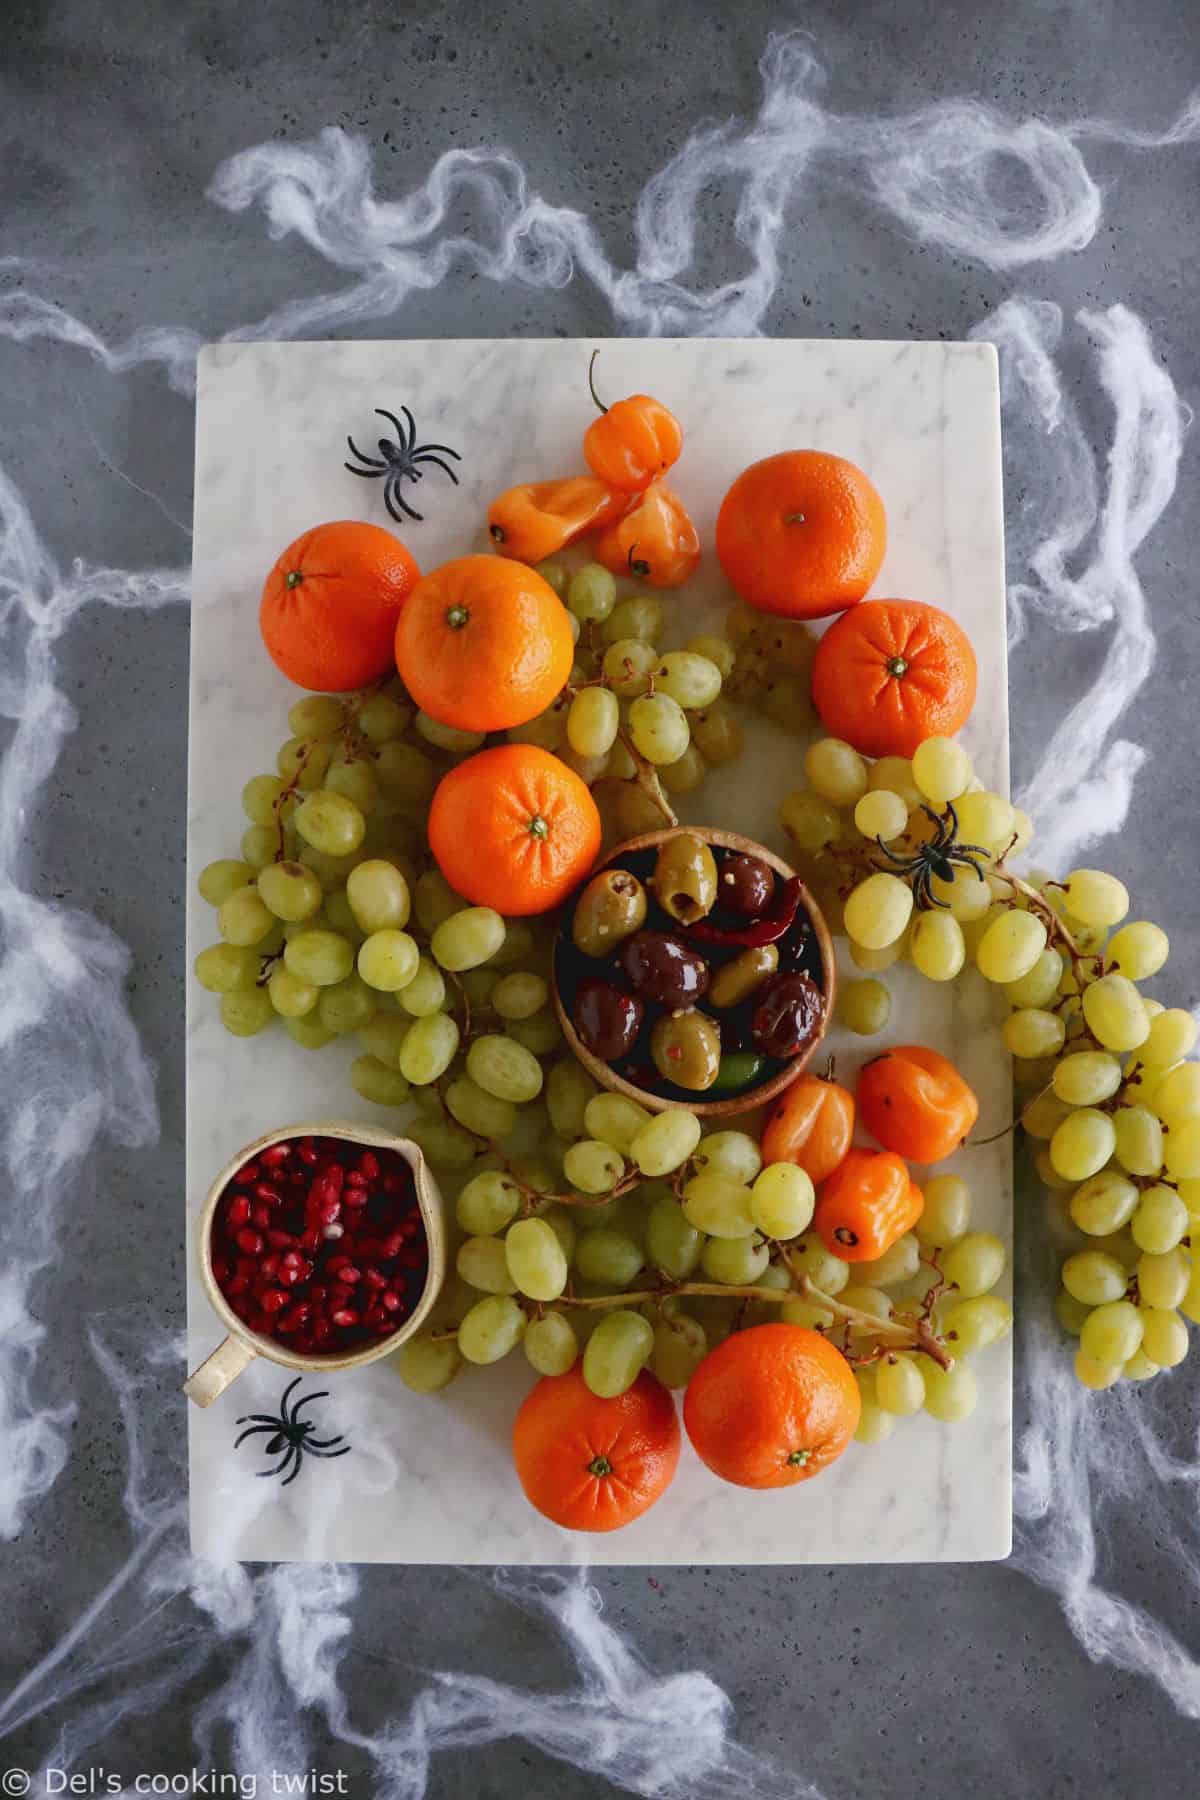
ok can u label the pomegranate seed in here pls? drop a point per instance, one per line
(343, 1316)
(334, 1263)
(321, 1330)
(310, 1239)
(354, 1196)
(374, 1279)
(392, 1184)
(296, 1272)
(246, 1174)
(338, 1295)
(392, 1245)
(269, 1265)
(237, 1284)
(280, 1240)
(333, 1232)
(297, 1315)
(273, 1301)
(350, 1274)
(331, 1212)
(318, 1292)
(250, 1242)
(355, 1178)
(276, 1154)
(390, 1302)
(383, 1327)
(260, 1215)
(238, 1212)
(368, 1162)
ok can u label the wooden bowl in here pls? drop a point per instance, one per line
(731, 1104)
(241, 1345)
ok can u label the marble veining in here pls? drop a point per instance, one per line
(430, 1479)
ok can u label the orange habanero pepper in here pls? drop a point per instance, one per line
(633, 442)
(656, 542)
(868, 1202)
(916, 1103)
(537, 519)
(811, 1125)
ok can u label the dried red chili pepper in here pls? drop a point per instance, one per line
(767, 930)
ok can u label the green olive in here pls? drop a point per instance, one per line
(739, 978)
(739, 1070)
(686, 1048)
(611, 907)
(685, 878)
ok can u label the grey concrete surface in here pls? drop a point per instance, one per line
(870, 1682)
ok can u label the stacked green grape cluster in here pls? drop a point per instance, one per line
(1114, 1105)
(638, 725)
(664, 1240)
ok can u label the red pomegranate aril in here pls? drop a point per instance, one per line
(392, 1245)
(321, 1330)
(249, 1241)
(273, 1300)
(390, 1302)
(392, 1184)
(269, 1266)
(310, 1239)
(331, 1212)
(307, 1151)
(297, 1316)
(355, 1178)
(260, 1216)
(350, 1273)
(343, 1317)
(339, 1293)
(354, 1196)
(374, 1279)
(275, 1154)
(246, 1174)
(280, 1240)
(368, 1163)
(238, 1213)
(234, 1286)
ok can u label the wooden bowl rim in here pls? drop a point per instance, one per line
(429, 1201)
(735, 1103)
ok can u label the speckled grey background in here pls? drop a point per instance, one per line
(113, 117)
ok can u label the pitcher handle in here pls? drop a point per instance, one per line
(209, 1381)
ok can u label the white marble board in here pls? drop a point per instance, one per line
(430, 1480)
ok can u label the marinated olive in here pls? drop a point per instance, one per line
(612, 906)
(739, 978)
(663, 969)
(607, 1019)
(686, 1048)
(787, 1014)
(741, 1069)
(745, 885)
(685, 878)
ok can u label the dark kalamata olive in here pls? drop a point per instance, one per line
(787, 1014)
(663, 969)
(745, 886)
(607, 1019)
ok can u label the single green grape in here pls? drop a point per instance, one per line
(719, 1206)
(478, 1112)
(1162, 1278)
(304, 761)
(467, 938)
(425, 993)
(291, 997)
(611, 1259)
(938, 949)
(378, 896)
(1177, 1095)
(1104, 1203)
(592, 592)
(782, 1201)
(1164, 1336)
(219, 879)
(262, 797)
(878, 910)
(684, 776)
(942, 771)
(810, 1313)
(951, 1395)
(487, 1203)
(659, 728)
(1086, 1077)
(864, 1007)
(375, 1081)
(568, 1089)
(1171, 1037)
(289, 891)
(383, 1036)
(615, 1120)
(1093, 1374)
(639, 617)
(718, 734)
(1160, 1220)
(836, 771)
(243, 919)
(1083, 1143)
(812, 823)
(246, 1011)
(504, 1068)
(1138, 1140)
(550, 1344)
(665, 1142)
(947, 1212)
(1112, 1333)
(1010, 946)
(900, 1262)
(520, 996)
(616, 1352)
(1096, 899)
(899, 1385)
(227, 968)
(971, 1325)
(673, 1244)
(345, 1006)
(825, 1271)
(491, 1328)
(717, 650)
(383, 719)
(732, 1153)
(974, 1264)
(388, 960)
(536, 1261)
(354, 779)
(425, 1364)
(969, 899)
(1115, 1014)
(429, 1047)
(736, 1262)
(680, 1346)
(880, 814)
(690, 679)
(1040, 986)
(321, 957)
(330, 822)
(593, 1167)
(1138, 950)
(1070, 1312)
(627, 665)
(1094, 1278)
(985, 818)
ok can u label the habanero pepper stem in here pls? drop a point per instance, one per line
(767, 930)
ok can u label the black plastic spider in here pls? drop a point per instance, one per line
(400, 462)
(290, 1430)
(937, 857)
